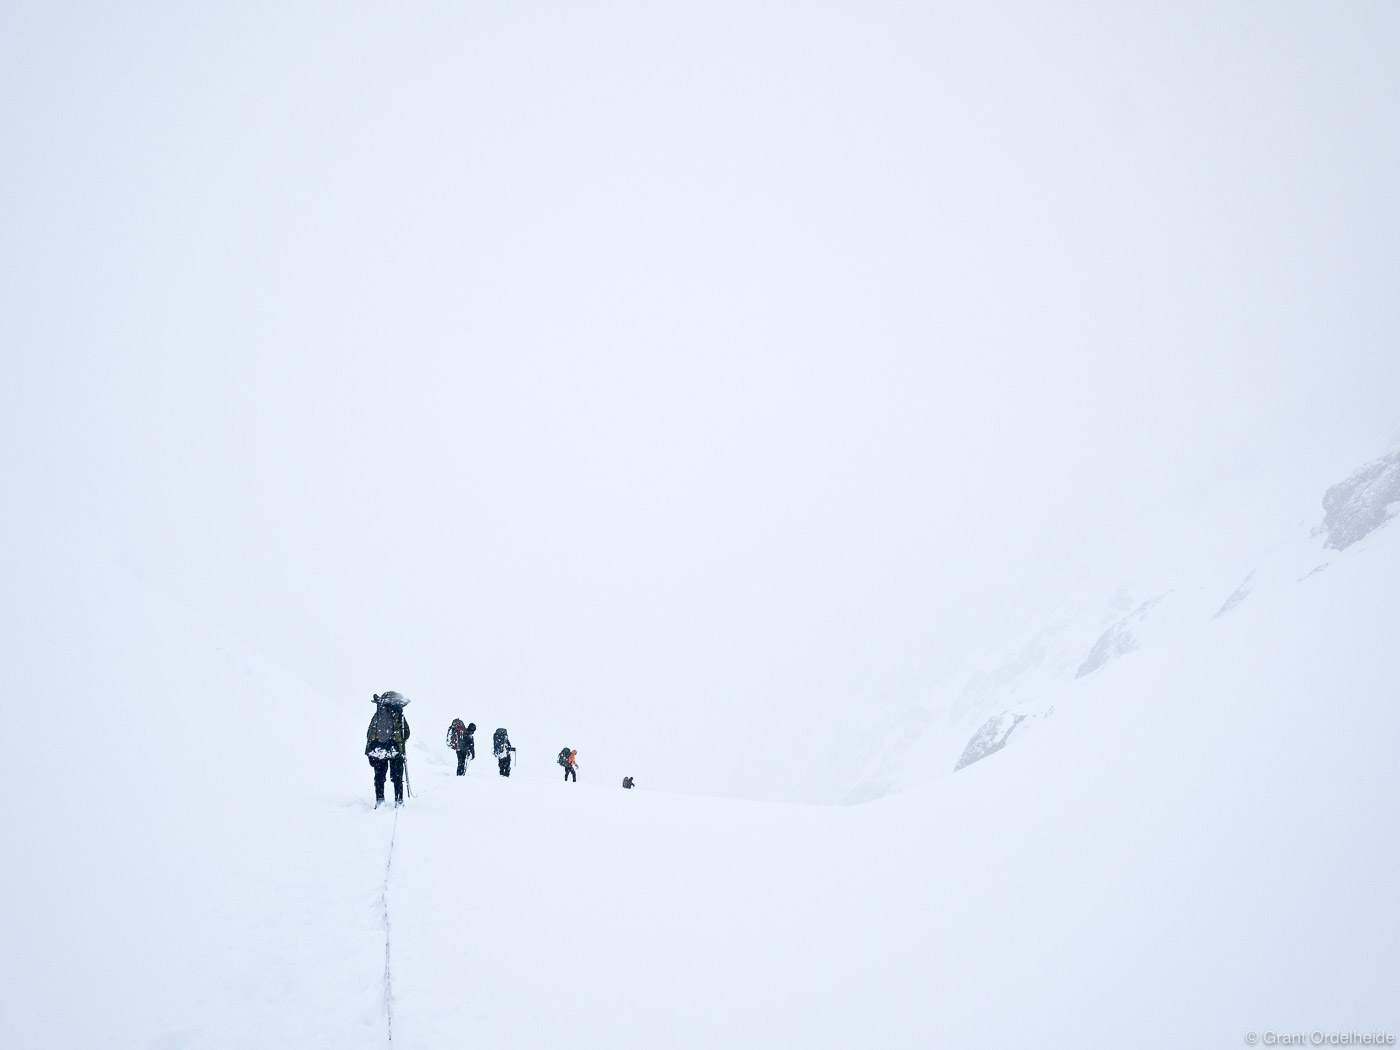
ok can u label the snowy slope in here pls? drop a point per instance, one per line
(1202, 844)
(186, 861)
(1187, 575)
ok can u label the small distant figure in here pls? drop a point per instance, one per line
(500, 747)
(459, 739)
(627, 783)
(385, 741)
(569, 760)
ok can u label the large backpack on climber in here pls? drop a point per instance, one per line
(498, 743)
(382, 727)
(564, 757)
(456, 735)
(388, 730)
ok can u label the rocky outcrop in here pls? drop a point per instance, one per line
(1114, 642)
(990, 739)
(1117, 640)
(1362, 503)
(1241, 593)
(982, 684)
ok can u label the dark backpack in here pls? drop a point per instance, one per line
(564, 757)
(382, 727)
(498, 742)
(456, 735)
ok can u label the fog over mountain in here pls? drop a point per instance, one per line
(607, 365)
(963, 435)
(1163, 603)
(1196, 826)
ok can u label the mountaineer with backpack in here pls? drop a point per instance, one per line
(500, 747)
(460, 740)
(385, 742)
(627, 782)
(569, 760)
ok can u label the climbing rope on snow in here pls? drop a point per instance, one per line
(384, 900)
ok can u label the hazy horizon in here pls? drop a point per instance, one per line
(620, 362)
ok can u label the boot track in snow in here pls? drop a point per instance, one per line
(384, 900)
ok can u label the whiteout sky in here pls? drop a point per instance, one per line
(669, 362)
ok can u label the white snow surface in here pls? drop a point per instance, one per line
(1200, 843)
(1253, 543)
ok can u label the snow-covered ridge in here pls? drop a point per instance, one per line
(1012, 688)
(194, 856)
(184, 806)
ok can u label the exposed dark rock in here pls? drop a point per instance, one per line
(1117, 640)
(990, 739)
(1241, 593)
(1355, 508)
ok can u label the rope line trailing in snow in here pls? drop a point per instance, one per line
(384, 900)
(384, 903)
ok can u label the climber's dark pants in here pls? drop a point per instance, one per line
(392, 766)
